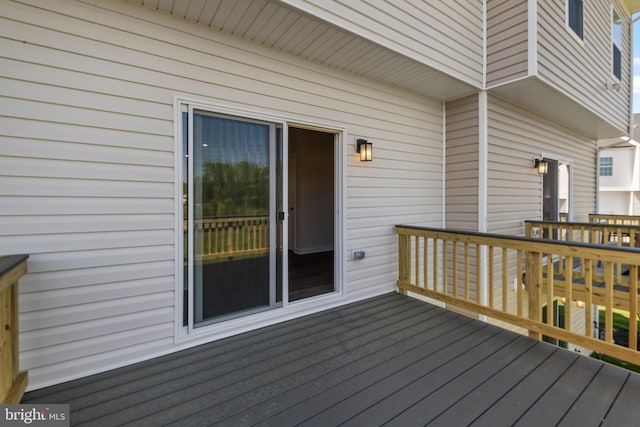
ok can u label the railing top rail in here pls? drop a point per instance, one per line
(582, 224)
(561, 247)
(592, 215)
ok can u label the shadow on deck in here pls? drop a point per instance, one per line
(386, 360)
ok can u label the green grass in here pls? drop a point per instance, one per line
(620, 318)
(620, 321)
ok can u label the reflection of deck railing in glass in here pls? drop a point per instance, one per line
(230, 237)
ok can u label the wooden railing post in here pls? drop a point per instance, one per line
(13, 383)
(533, 286)
(403, 260)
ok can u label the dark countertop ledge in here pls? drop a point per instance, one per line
(8, 262)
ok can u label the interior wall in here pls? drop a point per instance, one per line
(313, 210)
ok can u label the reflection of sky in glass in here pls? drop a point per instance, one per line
(221, 140)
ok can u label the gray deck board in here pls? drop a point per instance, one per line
(386, 360)
(625, 410)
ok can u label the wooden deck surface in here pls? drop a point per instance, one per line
(389, 360)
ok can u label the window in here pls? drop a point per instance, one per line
(606, 166)
(575, 17)
(616, 39)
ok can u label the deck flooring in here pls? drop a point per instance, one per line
(389, 360)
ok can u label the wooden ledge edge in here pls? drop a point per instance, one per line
(14, 396)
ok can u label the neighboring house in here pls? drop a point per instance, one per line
(619, 174)
(169, 166)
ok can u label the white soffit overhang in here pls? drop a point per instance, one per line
(539, 96)
(633, 6)
(278, 26)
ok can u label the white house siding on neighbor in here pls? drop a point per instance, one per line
(618, 192)
(88, 154)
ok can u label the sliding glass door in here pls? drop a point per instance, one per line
(232, 200)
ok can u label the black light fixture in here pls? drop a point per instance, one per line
(541, 165)
(365, 149)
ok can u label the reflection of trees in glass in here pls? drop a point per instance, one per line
(234, 189)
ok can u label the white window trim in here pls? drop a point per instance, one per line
(579, 39)
(183, 338)
(613, 41)
(600, 165)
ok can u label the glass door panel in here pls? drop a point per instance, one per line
(232, 183)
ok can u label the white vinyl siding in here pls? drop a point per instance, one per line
(462, 162)
(507, 40)
(581, 69)
(444, 35)
(516, 136)
(87, 160)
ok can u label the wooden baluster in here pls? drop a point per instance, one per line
(479, 261)
(445, 268)
(455, 269)
(608, 283)
(549, 288)
(633, 306)
(533, 285)
(417, 260)
(519, 293)
(505, 281)
(425, 261)
(466, 271)
(588, 290)
(568, 292)
(490, 276)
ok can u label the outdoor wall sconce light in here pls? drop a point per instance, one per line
(365, 149)
(541, 165)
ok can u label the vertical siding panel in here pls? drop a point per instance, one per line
(507, 36)
(462, 163)
(87, 151)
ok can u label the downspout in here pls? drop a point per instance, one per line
(444, 165)
(483, 165)
(633, 21)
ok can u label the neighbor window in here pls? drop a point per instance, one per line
(606, 166)
(575, 17)
(616, 39)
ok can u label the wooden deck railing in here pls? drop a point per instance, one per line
(230, 237)
(12, 382)
(602, 233)
(615, 219)
(599, 233)
(512, 279)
